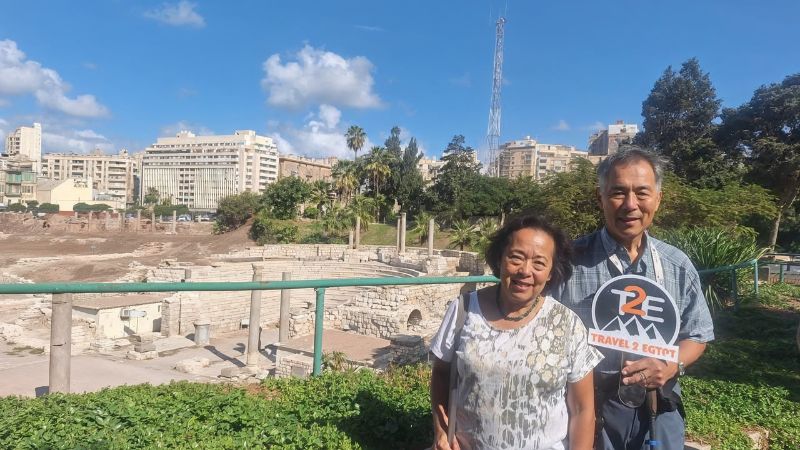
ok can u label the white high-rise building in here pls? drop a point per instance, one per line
(197, 171)
(112, 175)
(25, 144)
(606, 142)
(529, 158)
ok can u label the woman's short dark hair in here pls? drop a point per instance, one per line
(500, 240)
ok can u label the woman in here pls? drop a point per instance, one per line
(524, 364)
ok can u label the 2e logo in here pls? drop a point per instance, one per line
(647, 311)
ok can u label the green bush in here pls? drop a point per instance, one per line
(49, 208)
(716, 247)
(17, 207)
(266, 230)
(311, 213)
(359, 410)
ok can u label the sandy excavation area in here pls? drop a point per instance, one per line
(63, 251)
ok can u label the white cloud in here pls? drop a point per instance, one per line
(172, 129)
(4, 103)
(597, 126)
(20, 76)
(462, 81)
(317, 77)
(562, 125)
(369, 28)
(90, 65)
(3, 126)
(321, 136)
(74, 141)
(178, 14)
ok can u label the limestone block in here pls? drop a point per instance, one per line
(230, 372)
(139, 356)
(192, 365)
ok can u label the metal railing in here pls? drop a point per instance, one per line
(60, 329)
(734, 282)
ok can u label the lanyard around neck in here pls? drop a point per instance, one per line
(658, 268)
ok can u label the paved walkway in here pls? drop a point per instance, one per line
(26, 374)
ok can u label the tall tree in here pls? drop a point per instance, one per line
(765, 131)
(356, 137)
(378, 167)
(460, 167)
(345, 178)
(409, 186)
(678, 122)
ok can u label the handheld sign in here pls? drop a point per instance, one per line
(633, 314)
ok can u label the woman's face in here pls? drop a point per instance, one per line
(526, 264)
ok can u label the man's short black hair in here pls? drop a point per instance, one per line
(562, 269)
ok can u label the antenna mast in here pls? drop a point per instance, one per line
(493, 132)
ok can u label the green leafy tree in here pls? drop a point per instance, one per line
(485, 196)
(32, 205)
(152, 196)
(234, 210)
(356, 138)
(267, 230)
(319, 195)
(407, 180)
(678, 122)
(765, 131)
(283, 198)
(363, 207)
(570, 199)
(17, 207)
(460, 168)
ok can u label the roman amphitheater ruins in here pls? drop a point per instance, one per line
(371, 326)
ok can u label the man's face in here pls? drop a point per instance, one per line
(630, 200)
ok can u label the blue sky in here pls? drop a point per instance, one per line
(118, 74)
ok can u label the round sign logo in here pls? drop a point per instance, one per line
(632, 313)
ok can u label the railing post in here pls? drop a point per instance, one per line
(318, 318)
(254, 325)
(60, 343)
(286, 300)
(755, 276)
(780, 273)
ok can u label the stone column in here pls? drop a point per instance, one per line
(402, 233)
(254, 325)
(152, 221)
(108, 220)
(350, 240)
(398, 235)
(358, 232)
(138, 220)
(174, 221)
(431, 226)
(286, 300)
(89, 222)
(60, 343)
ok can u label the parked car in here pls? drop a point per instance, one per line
(184, 218)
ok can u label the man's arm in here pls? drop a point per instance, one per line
(654, 373)
(580, 403)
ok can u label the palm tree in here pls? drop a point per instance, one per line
(345, 178)
(462, 234)
(363, 207)
(485, 229)
(421, 225)
(378, 166)
(356, 136)
(319, 195)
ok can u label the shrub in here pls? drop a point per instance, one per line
(716, 247)
(266, 230)
(311, 213)
(49, 208)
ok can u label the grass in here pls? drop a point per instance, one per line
(749, 377)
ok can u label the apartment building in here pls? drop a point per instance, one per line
(25, 144)
(429, 168)
(197, 171)
(113, 176)
(17, 181)
(307, 169)
(529, 158)
(606, 142)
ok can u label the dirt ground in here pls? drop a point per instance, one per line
(64, 252)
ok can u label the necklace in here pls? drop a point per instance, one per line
(517, 318)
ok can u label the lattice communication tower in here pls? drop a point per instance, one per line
(493, 132)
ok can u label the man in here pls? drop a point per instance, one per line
(629, 191)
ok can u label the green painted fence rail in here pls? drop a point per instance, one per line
(734, 284)
(319, 285)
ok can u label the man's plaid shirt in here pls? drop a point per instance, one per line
(591, 270)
